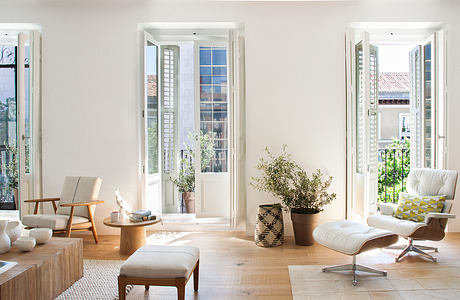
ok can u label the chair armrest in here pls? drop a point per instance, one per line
(81, 204)
(387, 209)
(429, 216)
(42, 200)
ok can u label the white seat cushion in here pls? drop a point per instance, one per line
(346, 236)
(79, 189)
(161, 262)
(55, 222)
(402, 228)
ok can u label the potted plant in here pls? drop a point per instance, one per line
(185, 180)
(302, 195)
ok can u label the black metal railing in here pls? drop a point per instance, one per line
(394, 166)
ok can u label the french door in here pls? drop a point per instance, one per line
(363, 121)
(20, 156)
(151, 112)
(212, 118)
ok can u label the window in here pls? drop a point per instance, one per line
(214, 103)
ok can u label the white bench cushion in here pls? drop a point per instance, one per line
(346, 236)
(161, 262)
(53, 221)
(401, 227)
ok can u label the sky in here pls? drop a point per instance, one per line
(394, 58)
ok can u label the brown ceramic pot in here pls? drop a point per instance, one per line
(189, 200)
(303, 228)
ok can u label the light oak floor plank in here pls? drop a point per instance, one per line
(233, 267)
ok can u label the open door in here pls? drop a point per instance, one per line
(364, 119)
(212, 111)
(151, 112)
(415, 67)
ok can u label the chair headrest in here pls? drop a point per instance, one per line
(432, 182)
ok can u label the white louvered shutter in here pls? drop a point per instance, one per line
(415, 108)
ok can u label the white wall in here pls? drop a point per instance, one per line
(295, 83)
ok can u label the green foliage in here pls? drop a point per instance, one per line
(185, 180)
(285, 179)
(152, 136)
(12, 167)
(396, 162)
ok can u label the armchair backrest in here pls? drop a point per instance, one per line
(79, 189)
(433, 182)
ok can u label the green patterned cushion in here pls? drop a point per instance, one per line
(414, 208)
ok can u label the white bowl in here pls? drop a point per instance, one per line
(42, 235)
(25, 243)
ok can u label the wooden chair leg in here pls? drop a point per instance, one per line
(180, 290)
(196, 276)
(147, 287)
(93, 227)
(121, 289)
(36, 208)
(69, 222)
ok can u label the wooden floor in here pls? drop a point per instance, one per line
(233, 267)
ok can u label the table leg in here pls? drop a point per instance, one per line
(132, 238)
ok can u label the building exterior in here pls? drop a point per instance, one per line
(394, 110)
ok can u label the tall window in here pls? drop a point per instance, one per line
(214, 103)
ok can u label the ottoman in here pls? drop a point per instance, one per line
(162, 266)
(352, 238)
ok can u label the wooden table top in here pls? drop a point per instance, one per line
(128, 223)
(38, 256)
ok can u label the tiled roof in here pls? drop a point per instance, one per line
(152, 85)
(394, 82)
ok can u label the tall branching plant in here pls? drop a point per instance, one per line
(185, 180)
(285, 179)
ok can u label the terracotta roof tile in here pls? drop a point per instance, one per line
(394, 82)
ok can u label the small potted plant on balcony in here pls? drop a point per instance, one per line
(303, 196)
(185, 180)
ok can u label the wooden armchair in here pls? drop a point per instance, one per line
(74, 211)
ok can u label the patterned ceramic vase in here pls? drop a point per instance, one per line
(269, 226)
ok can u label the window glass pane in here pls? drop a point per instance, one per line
(152, 109)
(219, 56)
(219, 93)
(205, 70)
(219, 79)
(205, 79)
(205, 93)
(205, 56)
(219, 71)
(213, 109)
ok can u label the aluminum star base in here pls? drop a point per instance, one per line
(354, 267)
(414, 248)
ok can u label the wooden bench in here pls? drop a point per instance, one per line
(160, 266)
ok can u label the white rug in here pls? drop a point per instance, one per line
(436, 281)
(99, 281)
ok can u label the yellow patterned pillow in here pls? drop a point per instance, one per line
(414, 208)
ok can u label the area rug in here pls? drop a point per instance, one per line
(99, 281)
(408, 281)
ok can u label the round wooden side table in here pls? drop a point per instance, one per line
(132, 233)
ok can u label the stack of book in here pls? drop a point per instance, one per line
(142, 215)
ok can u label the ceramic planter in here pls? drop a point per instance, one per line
(189, 200)
(303, 227)
(13, 230)
(5, 242)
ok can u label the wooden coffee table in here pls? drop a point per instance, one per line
(132, 233)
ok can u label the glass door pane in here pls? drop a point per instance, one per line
(213, 105)
(152, 108)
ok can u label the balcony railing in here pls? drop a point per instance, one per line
(394, 166)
